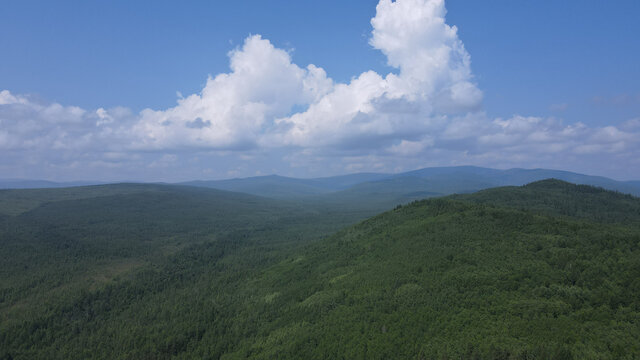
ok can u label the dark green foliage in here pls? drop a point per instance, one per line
(557, 197)
(446, 279)
(545, 271)
(68, 246)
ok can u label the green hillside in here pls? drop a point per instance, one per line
(550, 270)
(557, 197)
(59, 245)
(450, 279)
(17, 201)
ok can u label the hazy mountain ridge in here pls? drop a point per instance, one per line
(39, 184)
(440, 180)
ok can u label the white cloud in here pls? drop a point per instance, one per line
(6, 98)
(631, 125)
(235, 109)
(434, 66)
(559, 107)
(434, 77)
(268, 113)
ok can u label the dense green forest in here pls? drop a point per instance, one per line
(549, 270)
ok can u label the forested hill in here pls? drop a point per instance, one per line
(558, 197)
(451, 279)
(514, 273)
(60, 246)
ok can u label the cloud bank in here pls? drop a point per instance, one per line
(270, 115)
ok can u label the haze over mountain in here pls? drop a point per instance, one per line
(427, 181)
(381, 191)
(41, 184)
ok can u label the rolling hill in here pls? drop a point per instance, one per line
(548, 270)
(58, 245)
(479, 276)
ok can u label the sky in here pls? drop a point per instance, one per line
(172, 91)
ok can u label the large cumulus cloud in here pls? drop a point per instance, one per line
(234, 110)
(268, 113)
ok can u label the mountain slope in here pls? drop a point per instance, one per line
(557, 197)
(60, 247)
(478, 276)
(71, 235)
(17, 201)
(452, 279)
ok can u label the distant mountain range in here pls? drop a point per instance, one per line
(42, 184)
(411, 184)
(404, 186)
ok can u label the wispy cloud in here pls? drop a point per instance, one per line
(559, 107)
(617, 100)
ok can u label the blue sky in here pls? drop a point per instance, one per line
(543, 69)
